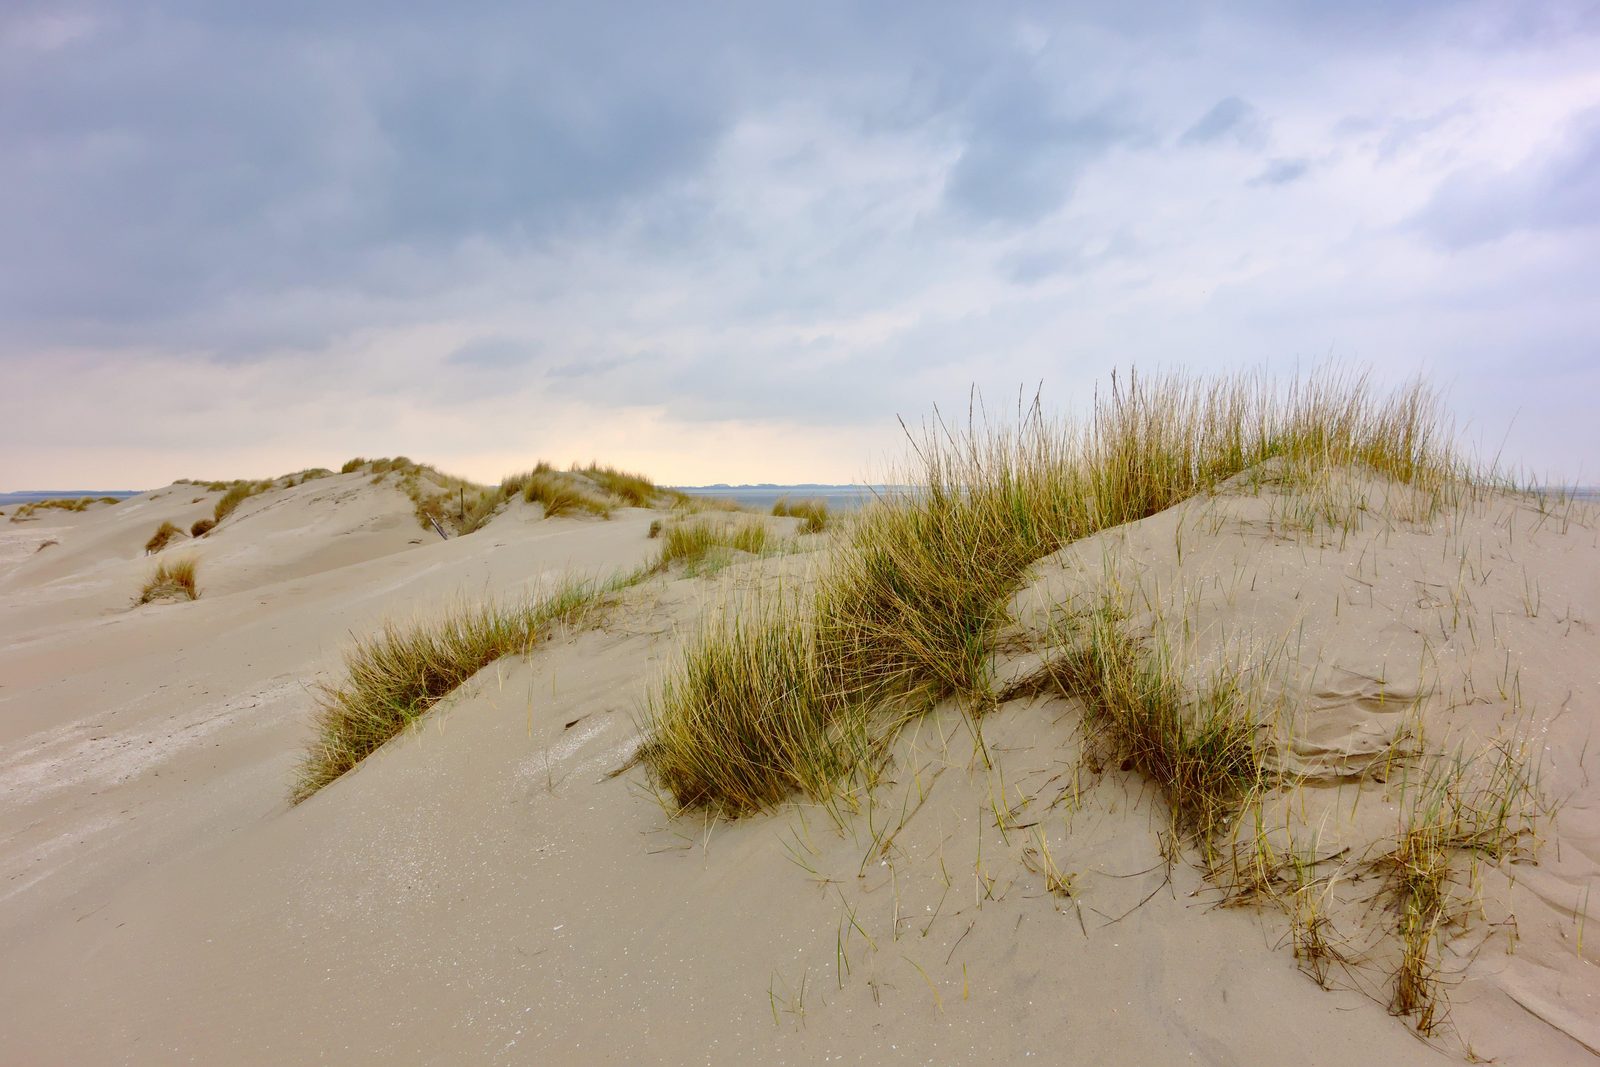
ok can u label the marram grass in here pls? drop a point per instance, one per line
(161, 538)
(171, 580)
(906, 612)
(393, 678)
(700, 541)
(813, 514)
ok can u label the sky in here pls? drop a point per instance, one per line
(738, 242)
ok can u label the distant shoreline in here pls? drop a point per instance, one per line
(28, 496)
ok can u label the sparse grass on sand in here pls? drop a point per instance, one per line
(633, 489)
(236, 493)
(697, 543)
(1482, 807)
(161, 538)
(171, 580)
(813, 514)
(906, 610)
(393, 678)
(560, 494)
(694, 503)
(31, 509)
(795, 695)
(1206, 752)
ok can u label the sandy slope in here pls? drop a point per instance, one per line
(480, 891)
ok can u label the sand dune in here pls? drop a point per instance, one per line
(482, 890)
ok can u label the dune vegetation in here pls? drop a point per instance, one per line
(394, 678)
(30, 510)
(161, 538)
(171, 580)
(237, 493)
(700, 543)
(559, 494)
(634, 490)
(458, 506)
(813, 514)
(904, 614)
(802, 693)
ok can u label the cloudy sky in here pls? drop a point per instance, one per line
(731, 242)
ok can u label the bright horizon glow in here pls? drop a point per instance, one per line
(735, 248)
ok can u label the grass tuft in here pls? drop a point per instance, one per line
(908, 608)
(695, 544)
(1205, 751)
(635, 490)
(171, 580)
(742, 723)
(1481, 807)
(202, 527)
(161, 538)
(31, 509)
(812, 513)
(562, 495)
(395, 677)
(237, 493)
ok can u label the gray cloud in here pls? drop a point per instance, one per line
(494, 353)
(1559, 189)
(1231, 118)
(1282, 172)
(819, 216)
(1025, 151)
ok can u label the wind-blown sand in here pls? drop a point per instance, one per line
(481, 891)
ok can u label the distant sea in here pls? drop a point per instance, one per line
(850, 497)
(763, 496)
(28, 496)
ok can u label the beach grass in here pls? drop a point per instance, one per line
(1205, 751)
(31, 509)
(236, 493)
(171, 580)
(634, 490)
(813, 514)
(161, 538)
(698, 543)
(744, 720)
(560, 494)
(905, 613)
(393, 678)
